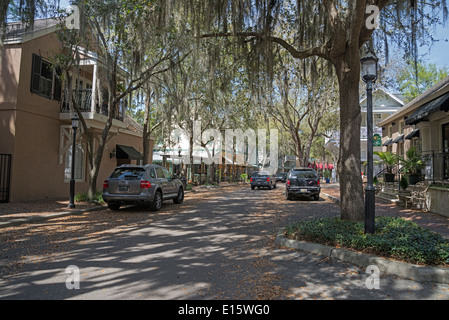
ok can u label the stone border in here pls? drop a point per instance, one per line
(392, 267)
(331, 198)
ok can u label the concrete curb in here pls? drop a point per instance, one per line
(392, 267)
(331, 198)
(19, 221)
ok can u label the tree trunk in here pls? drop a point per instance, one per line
(146, 146)
(351, 188)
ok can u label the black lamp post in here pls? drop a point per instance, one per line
(179, 156)
(369, 75)
(72, 177)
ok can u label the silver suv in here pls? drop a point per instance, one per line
(141, 184)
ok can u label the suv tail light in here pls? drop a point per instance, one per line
(105, 184)
(251, 179)
(268, 179)
(288, 182)
(318, 181)
(144, 184)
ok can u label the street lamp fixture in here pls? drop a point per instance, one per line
(369, 76)
(72, 177)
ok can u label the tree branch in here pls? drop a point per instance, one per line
(320, 51)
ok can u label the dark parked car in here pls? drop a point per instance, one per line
(141, 184)
(281, 176)
(303, 181)
(262, 179)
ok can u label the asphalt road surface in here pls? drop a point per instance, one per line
(218, 244)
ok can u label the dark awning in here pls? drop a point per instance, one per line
(422, 114)
(413, 134)
(399, 139)
(387, 143)
(127, 152)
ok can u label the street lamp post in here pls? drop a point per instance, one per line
(72, 177)
(369, 75)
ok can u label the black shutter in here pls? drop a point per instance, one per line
(35, 73)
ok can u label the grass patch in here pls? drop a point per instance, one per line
(394, 238)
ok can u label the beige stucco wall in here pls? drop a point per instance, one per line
(46, 46)
(36, 172)
(10, 59)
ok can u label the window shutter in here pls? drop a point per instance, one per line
(35, 73)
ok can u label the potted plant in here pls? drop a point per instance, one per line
(413, 165)
(389, 160)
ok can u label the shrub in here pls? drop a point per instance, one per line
(394, 238)
(84, 197)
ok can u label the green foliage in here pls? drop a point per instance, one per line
(395, 238)
(388, 159)
(84, 197)
(413, 164)
(414, 80)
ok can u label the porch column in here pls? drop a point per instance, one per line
(425, 135)
(94, 89)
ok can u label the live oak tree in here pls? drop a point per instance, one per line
(334, 30)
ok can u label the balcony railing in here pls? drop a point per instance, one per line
(83, 99)
(437, 164)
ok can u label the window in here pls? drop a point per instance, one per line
(167, 174)
(160, 173)
(377, 118)
(127, 173)
(79, 164)
(401, 127)
(45, 81)
(304, 174)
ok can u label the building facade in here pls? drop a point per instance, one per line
(424, 124)
(35, 119)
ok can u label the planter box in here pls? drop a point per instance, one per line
(389, 177)
(414, 179)
(438, 200)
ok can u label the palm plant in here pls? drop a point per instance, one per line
(388, 159)
(414, 163)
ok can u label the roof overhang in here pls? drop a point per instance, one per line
(422, 114)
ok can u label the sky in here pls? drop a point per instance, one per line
(439, 51)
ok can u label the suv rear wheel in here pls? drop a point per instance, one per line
(157, 201)
(180, 197)
(114, 205)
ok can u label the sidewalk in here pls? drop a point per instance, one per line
(13, 214)
(430, 220)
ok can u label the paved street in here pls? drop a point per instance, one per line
(219, 244)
